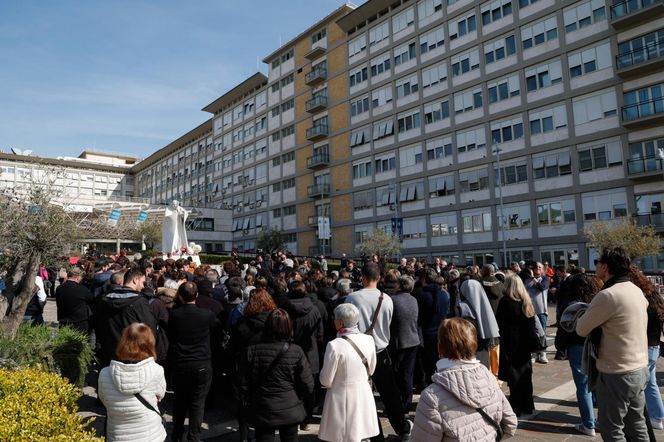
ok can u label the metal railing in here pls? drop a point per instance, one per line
(319, 101)
(318, 130)
(627, 7)
(318, 190)
(643, 109)
(319, 159)
(637, 166)
(641, 55)
(650, 219)
(316, 74)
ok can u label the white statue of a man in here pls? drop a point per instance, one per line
(173, 233)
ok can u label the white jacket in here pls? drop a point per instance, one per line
(349, 412)
(128, 418)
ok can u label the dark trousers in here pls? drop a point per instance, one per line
(191, 384)
(429, 356)
(404, 366)
(521, 391)
(385, 382)
(287, 433)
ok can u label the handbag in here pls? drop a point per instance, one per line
(537, 340)
(492, 422)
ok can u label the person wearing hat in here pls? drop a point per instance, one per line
(73, 301)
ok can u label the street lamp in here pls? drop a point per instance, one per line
(500, 199)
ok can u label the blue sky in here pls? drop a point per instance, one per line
(130, 75)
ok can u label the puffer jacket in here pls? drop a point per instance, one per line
(447, 408)
(307, 329)
(276, 392)
(128, 418)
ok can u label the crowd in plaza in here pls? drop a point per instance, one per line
(287, 340)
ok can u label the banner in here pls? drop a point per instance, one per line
(114, 217)
(397, 228)
(323, 227)
(142, 216)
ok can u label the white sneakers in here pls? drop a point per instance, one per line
(583, 430)
(541, 358)
(657, 424)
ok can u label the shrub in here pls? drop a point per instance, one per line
(62, 350)
(39, 406)
(209, 259)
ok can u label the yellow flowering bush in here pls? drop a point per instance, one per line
(39, 406)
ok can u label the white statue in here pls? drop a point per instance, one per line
(173, 233)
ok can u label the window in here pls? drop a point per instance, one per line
(402, 20)
(260, 124)
(248, 107)
(434, 75)
(363, 200)
(426, 8)
(641, 49)
(443, 225)
(604, 205)
(288, 184)
(202, 225)
(287, 105)
(538, 33)
(600, 156)
(467, 100)
(432, 40)
(290, 130)
(557, 212)
(499, 49)
(357, 45)
(515, 217)
(414, 228)
(287, 56)
(544, 75)
(276, 187)
(318, 36)
(383, 128)
(404, 53)
(288, 210)
(462, 26)
(439, 148)
(406, 86)
(411, 191)
(513, 173)
(583, 15)
(436, 111)
(495, 11)
(380, 64)
(276, 136)
(287, 80)
(466, 62)
(358, 76)
(552, 165)
(589, 60)
(471, 139)
(360, 136)
(359, 106)
(385, 164)
(275, 63)
(503, 89)
(275, 111)
(547, 120)
(237, 113)
(290, 156)
(361, 169)
(524, 3)
(382, 96)
(408, 120)
(238, 134)
(290, 237)
(386, 196)
(441, 185)
(474, 180)
(595, 106)
(507, 130)
(410, 156)
(643, 102)
(379, 33)
(477, 222)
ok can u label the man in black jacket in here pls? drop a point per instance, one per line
(118, 309)
(189, 329)
(74, 302)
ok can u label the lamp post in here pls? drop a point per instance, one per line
(500, 202)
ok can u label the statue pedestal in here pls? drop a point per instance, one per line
(176, 256)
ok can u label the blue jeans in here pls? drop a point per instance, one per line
(583, 396)
(653, 397)
(544, 319)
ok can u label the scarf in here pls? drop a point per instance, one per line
(473, 293)
(348, 330)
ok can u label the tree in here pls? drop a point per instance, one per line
(379, 243)
(271, 240)
(32, 230)
(148, 232)
(638, 241)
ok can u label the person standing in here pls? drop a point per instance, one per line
(376, 310)
(620, 311)
(74, 301)
(189, 331)
(350, 359)
(537, 284)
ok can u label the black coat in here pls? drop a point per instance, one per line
(74, 302)
(276, 393)
(515, 330)
(307, 329)
(249, 331)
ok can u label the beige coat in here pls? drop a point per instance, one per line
(349, 413)
(447, 408)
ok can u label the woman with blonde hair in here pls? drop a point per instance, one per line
(516, 320)
(131, 388)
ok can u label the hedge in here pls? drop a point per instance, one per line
(39, 406)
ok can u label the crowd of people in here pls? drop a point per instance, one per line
(287, 339)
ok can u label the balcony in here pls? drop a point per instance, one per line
(644, 168)
(318, 190)
(316, 76)
(630, 12)
(321, 159)
(317, 132)
(316, 51)
(641, 61)
(650, 219)
(316, 104)
(644, 113)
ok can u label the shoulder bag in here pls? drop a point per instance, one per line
(375, 316)
(149, 406)
(492, 422)
(365, 362)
